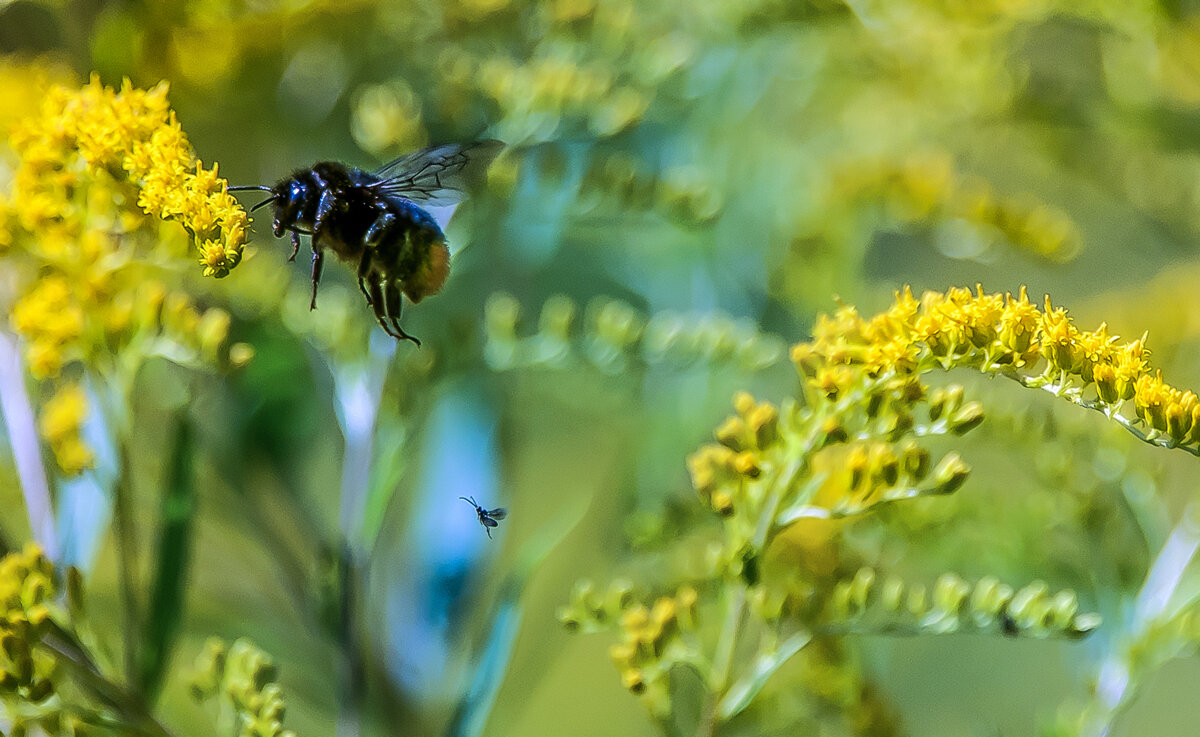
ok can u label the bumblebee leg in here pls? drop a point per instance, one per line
(318, 261)
(395, 298)
(379, 229)
(377, 304)
(364, 268)
(295, 245)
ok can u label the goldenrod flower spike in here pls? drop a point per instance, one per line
(1007, 336)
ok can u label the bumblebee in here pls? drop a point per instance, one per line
(375, 220)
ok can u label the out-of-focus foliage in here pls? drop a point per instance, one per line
(685, 186)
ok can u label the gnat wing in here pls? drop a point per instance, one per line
(498, 513)
(489, 522)
(439, 175)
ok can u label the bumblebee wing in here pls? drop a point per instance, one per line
(498, 513)
(439, 175)
(489, 522)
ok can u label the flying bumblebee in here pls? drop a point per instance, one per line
(375, 219)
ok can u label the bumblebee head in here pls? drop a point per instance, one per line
(289, 197)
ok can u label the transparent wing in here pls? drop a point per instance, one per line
(498, 513)
(439, 175)
(489, 522)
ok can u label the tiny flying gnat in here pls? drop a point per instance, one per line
(487, 517)
(375, 220)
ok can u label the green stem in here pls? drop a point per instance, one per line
(126, 545)
(127, 704)
(125, 532)
(718, 677)
(722, 662)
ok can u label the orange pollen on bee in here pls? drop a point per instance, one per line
(431, 275)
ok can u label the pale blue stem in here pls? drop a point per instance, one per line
(1115, 683)
(22, 436)
(358, 390)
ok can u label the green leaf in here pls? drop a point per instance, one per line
(173, 559)
(743, 691)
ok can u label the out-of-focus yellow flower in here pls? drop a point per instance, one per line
(925, 186)
(60, 425)
(26, 588)
(388, 116)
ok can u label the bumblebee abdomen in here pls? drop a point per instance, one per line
(411, 250)
(431, 273)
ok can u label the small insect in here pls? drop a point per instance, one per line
(487, 517)
(1008, 625)
(375, 220)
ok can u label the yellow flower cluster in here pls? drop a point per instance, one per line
(717, 470)
(26, 587)
(92, 270)
(51, 318)
(647, 635)
(132, 137)
(244, 677)
(926, 186)
(1002, 335)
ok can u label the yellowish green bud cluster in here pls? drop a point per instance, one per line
(590, 611)
(687, 195)
(26, 589)
(858, 438)
(654, 638)
(61, 426)
(242, 676)
(926, 186)
(955, 605)
(611, 334)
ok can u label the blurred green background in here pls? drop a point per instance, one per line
(685, 187)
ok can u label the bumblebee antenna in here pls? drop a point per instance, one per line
(267, 201)
(260, 187)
